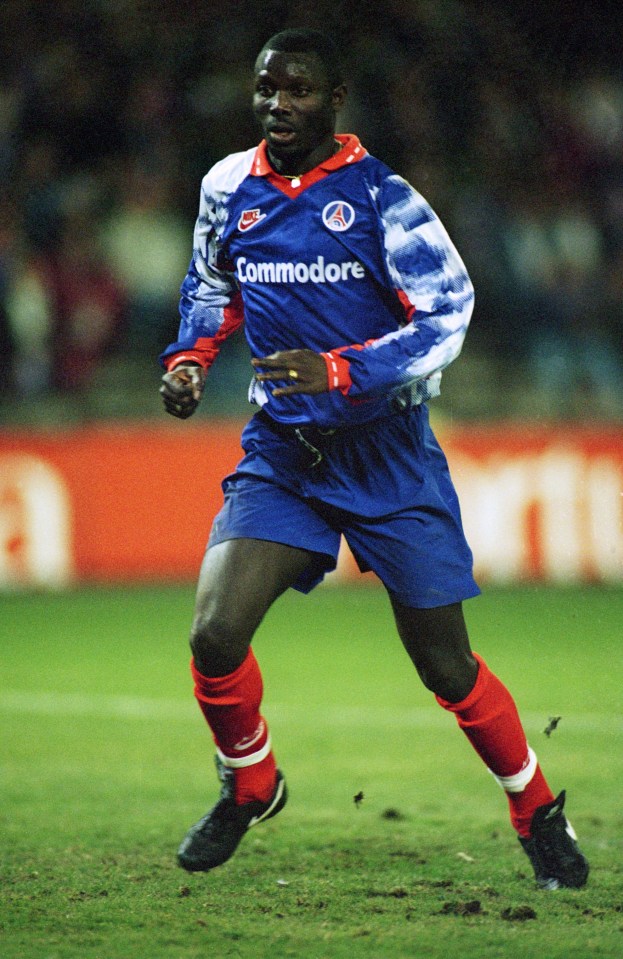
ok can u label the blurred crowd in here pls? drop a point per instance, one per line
(508, 120)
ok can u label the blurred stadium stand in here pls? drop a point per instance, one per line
(507, 116)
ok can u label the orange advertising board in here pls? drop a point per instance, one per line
(122, 502)
(135, 502)
(541, 502)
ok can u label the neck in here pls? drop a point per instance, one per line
(295, 166)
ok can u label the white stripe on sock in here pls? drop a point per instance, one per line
(235, 762)
(518, 782)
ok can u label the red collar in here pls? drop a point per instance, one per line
(351, 152)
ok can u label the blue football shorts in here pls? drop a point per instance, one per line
(384, 486)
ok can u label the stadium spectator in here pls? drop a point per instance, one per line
(30, 313)
(317, 246)
(90, 309)
(146, 245)
(556, 258)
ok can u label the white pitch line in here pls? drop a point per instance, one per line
(95, 705)
(318, 714)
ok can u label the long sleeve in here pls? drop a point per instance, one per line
(432, 284)
(210, 302)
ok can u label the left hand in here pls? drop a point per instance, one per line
(305, 371)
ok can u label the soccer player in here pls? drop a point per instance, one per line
(353, 300)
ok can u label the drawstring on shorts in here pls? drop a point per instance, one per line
(316, 453)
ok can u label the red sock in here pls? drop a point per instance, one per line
(489, 718)
(231, 705)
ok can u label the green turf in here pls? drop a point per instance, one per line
(106, 761)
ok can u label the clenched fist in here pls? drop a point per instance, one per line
(182, 389)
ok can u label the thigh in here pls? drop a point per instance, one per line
(257, 508)
(438, 644)
(241, 578)
(401, 515)
(239, 581)
(419, 553)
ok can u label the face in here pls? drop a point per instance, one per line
(296, 107)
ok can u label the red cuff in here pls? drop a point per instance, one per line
(202, 357)
(338, 371)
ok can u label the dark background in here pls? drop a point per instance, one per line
(508, 117)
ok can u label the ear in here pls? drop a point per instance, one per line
(338, 96)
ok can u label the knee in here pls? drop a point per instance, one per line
(217, 643)
(451, 680)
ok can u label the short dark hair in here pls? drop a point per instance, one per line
(310, 41)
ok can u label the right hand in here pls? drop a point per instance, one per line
(182, 389)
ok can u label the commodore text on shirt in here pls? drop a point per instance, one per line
(317, 272)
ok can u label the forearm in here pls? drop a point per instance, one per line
(413, 353)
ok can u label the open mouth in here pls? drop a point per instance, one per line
(281, 134)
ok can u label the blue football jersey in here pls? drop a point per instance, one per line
(347, 260)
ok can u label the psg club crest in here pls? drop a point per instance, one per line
(249, 218)
(338, 216)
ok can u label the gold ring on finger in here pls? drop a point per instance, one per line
(293, 375)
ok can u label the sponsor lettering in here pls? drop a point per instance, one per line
(317, 272)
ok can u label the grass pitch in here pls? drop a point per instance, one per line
(106, 762)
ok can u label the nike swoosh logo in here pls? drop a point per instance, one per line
(250, 740)
(249, 219)
(268, 811)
